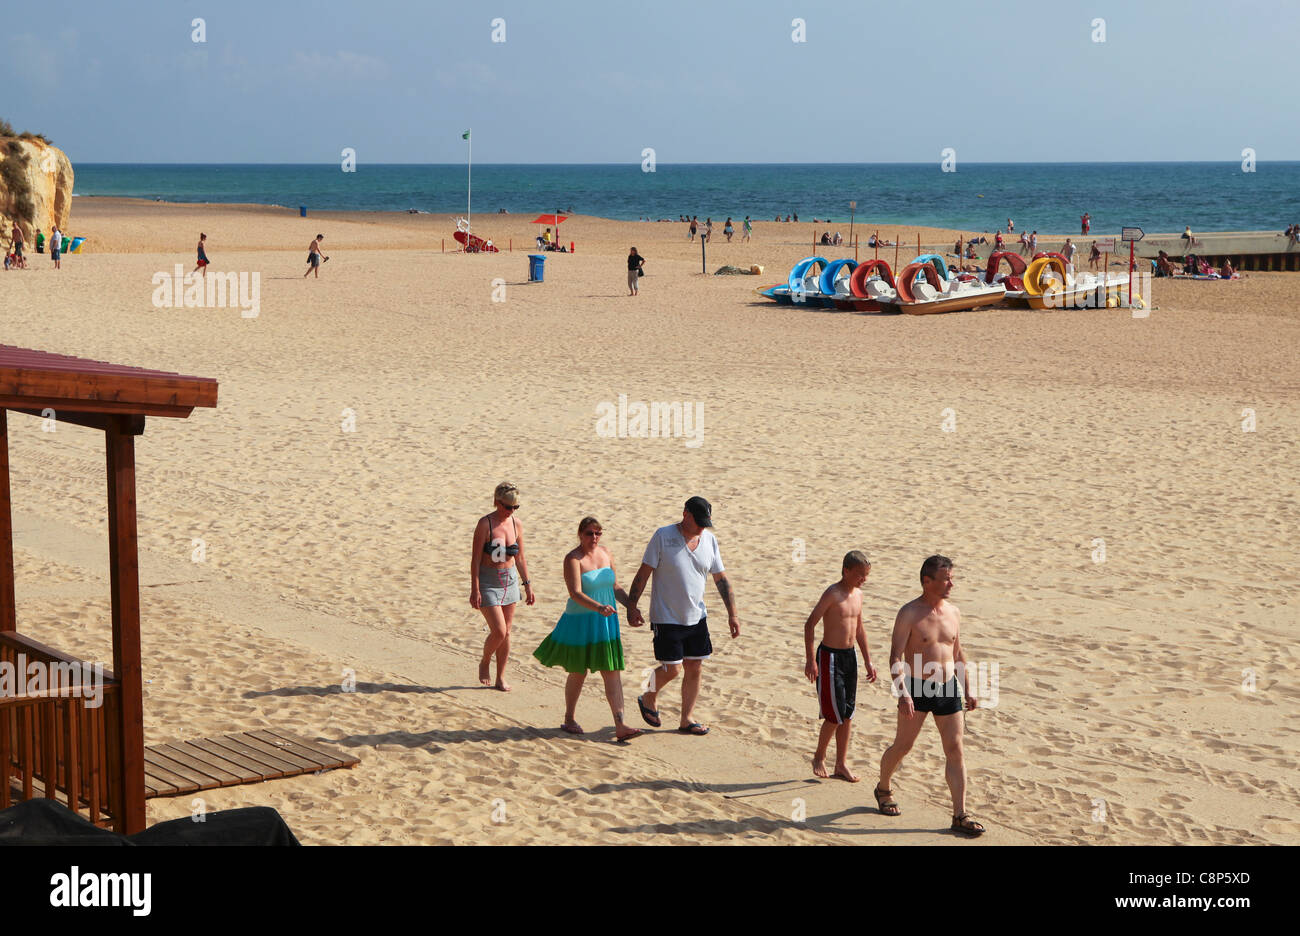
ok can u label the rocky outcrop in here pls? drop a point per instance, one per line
(35, 187)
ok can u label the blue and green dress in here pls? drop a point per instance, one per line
(586, 641)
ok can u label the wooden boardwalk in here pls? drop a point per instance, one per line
(245, 757)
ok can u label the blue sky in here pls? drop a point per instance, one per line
(698, 81)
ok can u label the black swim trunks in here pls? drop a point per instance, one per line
(676, 642)
(929, 696)
(837, 682)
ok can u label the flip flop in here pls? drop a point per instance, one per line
(967, 826)
(636, 733)
(694, 728)
(885, 802)
(650, 716)
(572, 729)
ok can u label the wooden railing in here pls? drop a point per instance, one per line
(54, 736)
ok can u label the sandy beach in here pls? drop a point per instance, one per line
(1141, 699)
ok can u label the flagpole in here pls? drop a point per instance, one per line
(469, 184)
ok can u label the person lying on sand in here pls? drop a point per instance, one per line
(834, 665)
(926, 632)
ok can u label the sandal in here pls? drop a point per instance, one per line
(694, 728)
(649, 715)
(967, 826)
(885, 802)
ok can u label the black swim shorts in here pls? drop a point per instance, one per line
(677, 642)
(929, 696)
(837, 683)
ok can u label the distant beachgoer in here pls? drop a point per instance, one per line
(56, 246)
(1187, 236)
(313, 256)
(970, 251)
(997, 240)
(1094, 256)
(680, 557)
(40, 241)
(826, 238)
(833, 667)
(1011, 226)
(494, 579)
(1068, 253)
(927, 644)
(708, 229)
(694, 225)
(1085, 223)
(18, 244)
(634, 272)
(873, 240)
(1024, 242)
(1227, 272)
(586, 638)
(748, 228)
(1163, 266)
(728, 230)
(203, 257)
(1033, 242)
(838, 239)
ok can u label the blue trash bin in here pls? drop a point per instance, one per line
(302, 211)
(536, 268)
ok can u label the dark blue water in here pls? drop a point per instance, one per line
(977, 197)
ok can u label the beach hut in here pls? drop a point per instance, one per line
(94, 757)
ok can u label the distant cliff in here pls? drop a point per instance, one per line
(35, 186)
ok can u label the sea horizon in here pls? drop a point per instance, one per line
(975, 197)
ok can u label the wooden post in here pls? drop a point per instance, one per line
(512, 245)
(704, 265)
(855, 251)
(8, 610)
(124, 572)
(898, 238)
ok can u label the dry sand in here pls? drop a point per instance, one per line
(1119, 681)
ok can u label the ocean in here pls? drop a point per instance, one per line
(976, 197)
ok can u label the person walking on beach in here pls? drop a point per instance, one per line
(680, 557)
(728, 230)
(314, 257)
(749, 229)
(1068, 253)
(1094, 256)
(833, 667)
(708, 230)
(40, 241)
(927, 633)
(634, 272)
(1011, 227)
(1033, 242)
(1024, 243)
(18, 246)
(694, 223)
(203, 257)
(56, 246)
(1085, 223)
(586, 638)
(495, 566)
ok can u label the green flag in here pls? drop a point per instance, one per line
(465, 135)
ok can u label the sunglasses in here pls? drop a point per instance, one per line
(592, 532)
(509, 507)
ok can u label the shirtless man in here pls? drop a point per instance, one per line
(926, 640)
(834, 666)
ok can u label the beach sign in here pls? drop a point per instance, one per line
(1106, 245)
(1132, 234)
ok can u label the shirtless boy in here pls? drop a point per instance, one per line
(924, 659)
(834, 667)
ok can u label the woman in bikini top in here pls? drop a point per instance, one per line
(492, 545)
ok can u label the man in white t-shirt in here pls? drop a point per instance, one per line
(680, 557)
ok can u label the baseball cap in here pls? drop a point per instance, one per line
(700, 511)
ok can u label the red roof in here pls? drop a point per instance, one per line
(32, 379)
